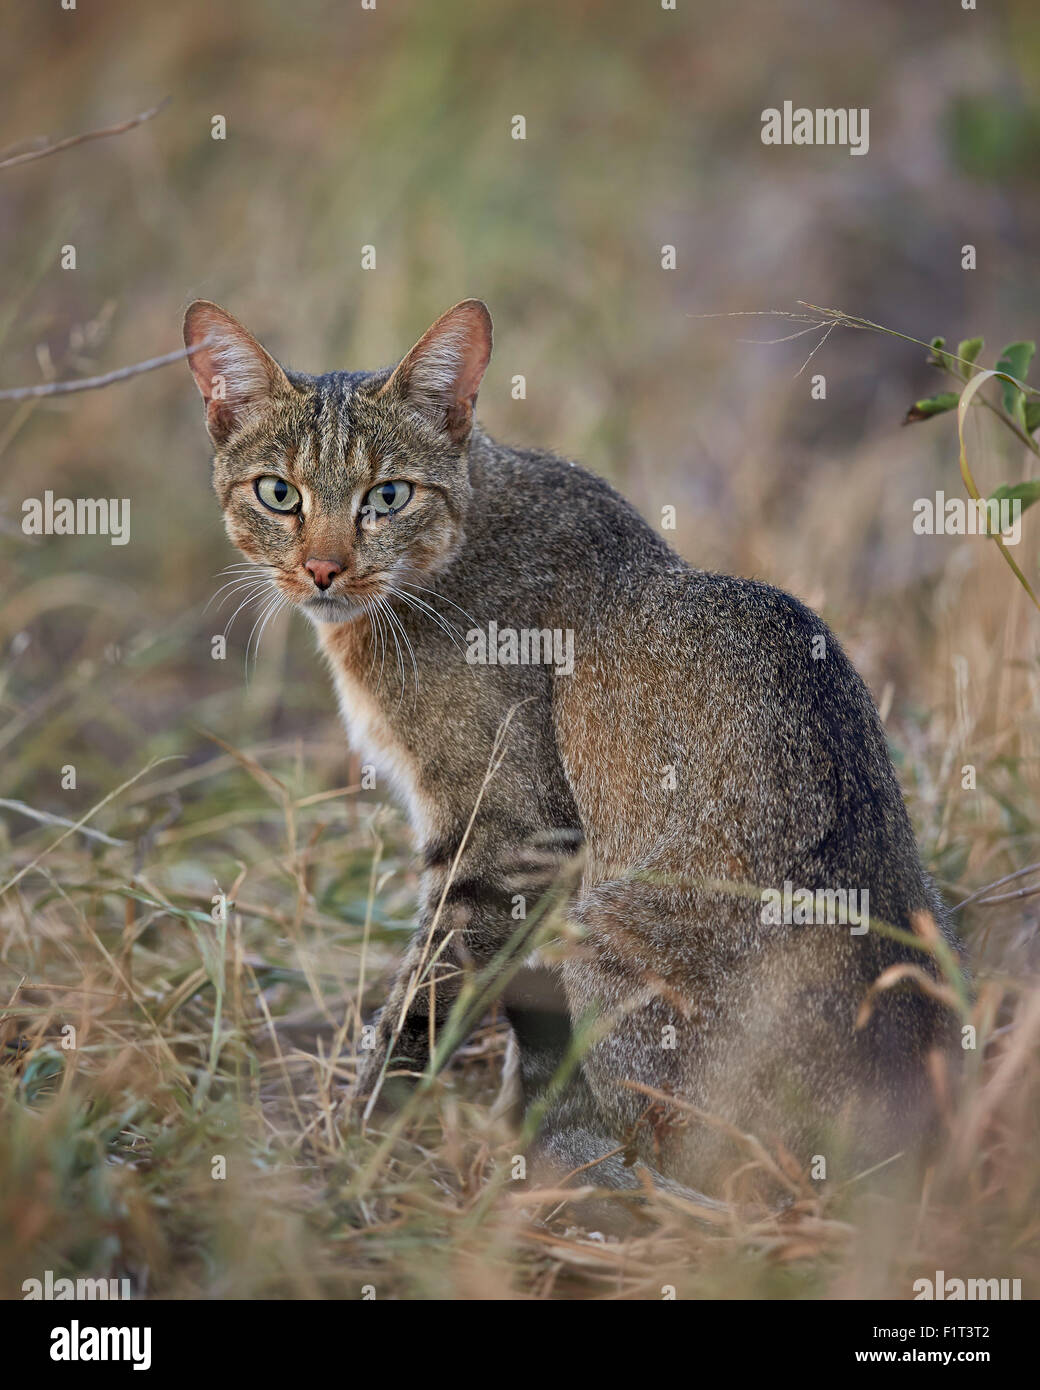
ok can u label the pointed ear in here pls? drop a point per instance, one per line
(233, 372)
(441, 375)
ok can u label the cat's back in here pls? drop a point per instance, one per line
(541, 513)
(642, 615)
(700, 704)
(536, 510)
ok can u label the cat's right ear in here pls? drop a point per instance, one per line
(235, 375)
(441, 375)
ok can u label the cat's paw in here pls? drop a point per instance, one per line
(383, 1086)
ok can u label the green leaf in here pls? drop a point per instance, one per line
(1027, 493)
(42, 1069)
(1032, 415)
(932, 405)
(1015, 360)
(969, 350)
(938, 357)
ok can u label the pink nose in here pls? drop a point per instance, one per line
(323, 572)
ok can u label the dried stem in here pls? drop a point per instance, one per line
(91, 383)
(67, 144)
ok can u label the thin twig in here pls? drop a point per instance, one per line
(91, 383)
(81, 139)
(1008, 897)
(816, 349)
(47, 818)
(78, 825)
(997, 883)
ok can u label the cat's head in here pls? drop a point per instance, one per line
(341, 484)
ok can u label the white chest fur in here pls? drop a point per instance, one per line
(378, 747)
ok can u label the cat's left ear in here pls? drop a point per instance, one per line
(441, 375)
(236, 376)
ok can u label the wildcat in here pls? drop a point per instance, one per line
(710, 743)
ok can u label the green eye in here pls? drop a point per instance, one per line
(387, 498)
(277, 494)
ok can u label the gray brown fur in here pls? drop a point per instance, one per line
(781, 771)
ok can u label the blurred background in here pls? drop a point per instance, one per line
(391, 128)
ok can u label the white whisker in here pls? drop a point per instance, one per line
(242, 574)
(382, 643)
(396, 620)
(236, 586)
(272, 606)
(251, 597)
(420, 606)
(381, 603)
(372, 617)
(421, 588)
(274, 612)
(395, 628)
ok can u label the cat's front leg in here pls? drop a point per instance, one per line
(396, 1046)
(482, 905)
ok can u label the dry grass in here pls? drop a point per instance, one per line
(196, 1039)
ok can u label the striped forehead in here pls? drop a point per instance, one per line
(327, 452)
